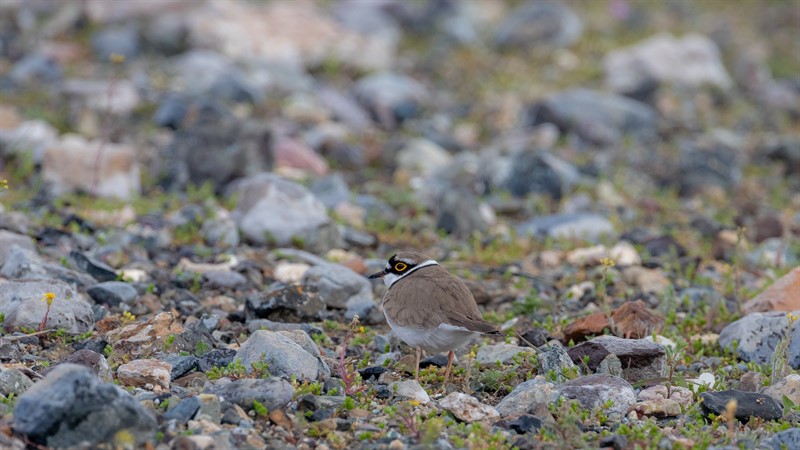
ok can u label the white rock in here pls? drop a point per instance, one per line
(410, 390)
(287, 272)
(665, 342)
(467, 408)
(693, 60)
(145, 373)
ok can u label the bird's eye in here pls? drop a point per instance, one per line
(400, 266)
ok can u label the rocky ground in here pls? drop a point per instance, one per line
(192, 192)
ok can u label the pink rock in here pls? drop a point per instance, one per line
(783, 295)
(293, 154)
(145, 373)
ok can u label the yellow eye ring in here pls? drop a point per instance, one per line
(400, 267)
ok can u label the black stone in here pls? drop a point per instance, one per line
(382, 391)
(438, 360)
(220, 357)
(185, 410)
(284, 303)
(181, 365)
(748, 404)
(96, 269)
(373, 372)
(95, 345)
(615, 441)
(524, 424)
(535, 336)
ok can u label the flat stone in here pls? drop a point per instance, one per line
(272, 392)
(217, 358)
(181, 365)
(748, 404)
(21, 303)
(631, 320)
(142, 337)
(640, 359)
(530, 397)
(184, 410)
(661, 407)
(467, 408)
(590, 227)
(593, 391)
(70, 407)
(145, 373)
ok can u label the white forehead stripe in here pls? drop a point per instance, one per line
(391, 278)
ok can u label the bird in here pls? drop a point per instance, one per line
(428, 308)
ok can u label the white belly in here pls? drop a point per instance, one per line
(443, 338)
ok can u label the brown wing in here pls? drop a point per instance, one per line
(432, 296)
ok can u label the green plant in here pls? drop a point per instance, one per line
(48, 298)
(260, 409)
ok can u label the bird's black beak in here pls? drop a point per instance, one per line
(380, 274)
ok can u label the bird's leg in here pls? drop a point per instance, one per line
(416, 372)
(449, 365)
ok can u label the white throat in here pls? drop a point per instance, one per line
(391, 278)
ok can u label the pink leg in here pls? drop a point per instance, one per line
(416, 372)
(449, 365)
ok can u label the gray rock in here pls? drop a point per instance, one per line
(492, 354)
(712, 160)
(409, 390)
(555, 359)
(593, 391)
(219, 357)
(215, 147)
(757, 335)
(224, 279)
(220, 231)
(8, 239)
(21, 303)
(284, 357)
(13, 381)
(119, 40)
(96, 269)
(563, 226)
(331, 190)
(273, 392)
(530, 397)
(596, 117)
(542, 23)
(181, 365)
(610, 365)
(540, 172)
(166, 33)
(184, 411)
(30, 138)
(391, 98)
(24, 263)
(70, 407)
(113, 293)
(789, 386)
(93, 360)
(691, 61)
(344, 108)
(773, 252)
(784, 440)
(459, 213)
(276, 211)
(641, 359)
(420, 156)
(336, 285)
(36, 67)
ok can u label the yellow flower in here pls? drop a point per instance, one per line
(361, 329)
(49, 297)
(413, 402)
(792, 317)
(3, 184)
(116, 58)
(608, 262)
